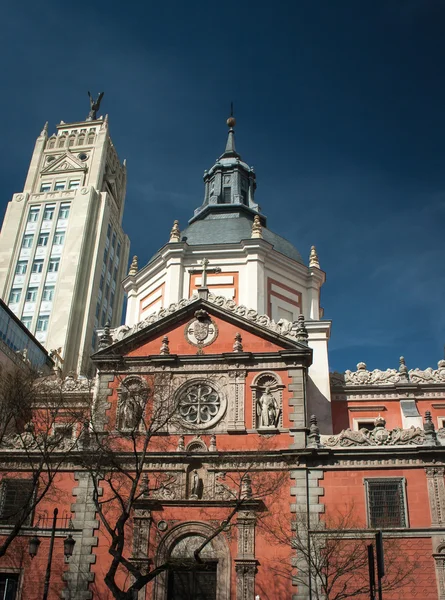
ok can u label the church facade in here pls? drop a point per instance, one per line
(219, 458)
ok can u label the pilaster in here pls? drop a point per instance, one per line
(245, 562)
(436, 495)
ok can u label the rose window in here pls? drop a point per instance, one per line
(200, 404)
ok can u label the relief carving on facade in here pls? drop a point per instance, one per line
(391, 376)
(379, 436)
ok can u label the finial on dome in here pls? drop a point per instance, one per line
(231, 121)
(134, 266)
(175, 234)
(257, 228)
(313, 258)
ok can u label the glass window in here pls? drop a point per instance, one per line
(21, 267)
(97, 310)
(45, 187)
(94, 340)
(109, 231)
(31, 294)
(59, 238)
(27, 241)
(105, 255)
(113, 243)
(27, 322)
(107, 290)
(71, 141)
(37, 266)
(61, 142)
(115, 274)
(33, 215)
(48, 213)
(14, 296)
(386, 502)
(104, 316)
(101, 284)
(53, 265)
(16, 494)
(48, 293)
(64, 211)
(118, 251)
(43, 239)
(112, 300)
(42, 323)
(74, 184)
(60, 185)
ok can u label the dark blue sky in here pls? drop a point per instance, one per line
(339, 106)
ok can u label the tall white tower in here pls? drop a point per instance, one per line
(63, 252)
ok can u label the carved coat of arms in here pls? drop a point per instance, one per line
(201, 331)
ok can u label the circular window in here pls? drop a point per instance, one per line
(200, 404)
(82, 156)
(50, 159)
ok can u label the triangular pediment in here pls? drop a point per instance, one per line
(65, 164)
(203, 327)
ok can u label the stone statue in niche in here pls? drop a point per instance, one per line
(267, 409)
(132, 399)
(131, 413)
(195, 485)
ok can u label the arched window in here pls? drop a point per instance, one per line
(91, 137)
(81, 140)
(51, 143)
(71, 141)
(61, 142)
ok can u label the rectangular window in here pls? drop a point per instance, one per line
(48, 293)
(27, 241)
(59, 238)
(59, 185)
(21, 267)
(94, 340)
(53, 265)
(9, 585)
(109, 231)
(48, 213)
(33, 215)
(45, 187)
(101, 284)
(227, 195)
(107, 290)
(64, 211)
(74, 184)
(386, 502)
(105, 256)
(104, 316)
(27, 323)
(112, 300)
(43, 239)
(31, 294)
(113, 243)
(118, 251)
(16, 496)
(14, 296)
(42, 323)
(37, 266)
(115, 274)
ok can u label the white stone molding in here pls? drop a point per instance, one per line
(245, 562)
(391, 376)
(236, 393)
(436, 494)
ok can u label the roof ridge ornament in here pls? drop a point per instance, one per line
(175, 233)
(94, 106)
(134, 266)
(257, 228)
(313, 259)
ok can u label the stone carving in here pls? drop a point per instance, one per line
(379, 436)
(134, 266)
(313, 258)
(238, 343)
(267, 409)
(314, 433)
(180, 447)
(212, 446)
(391, 376)
(257, 229)
(199, 404)
(131, 404)
(168, 489)
(195, 485)
(222, 490)
(165, 349)
(196, 445)
(175, 234)
(201, 331)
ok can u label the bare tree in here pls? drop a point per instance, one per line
(331, 556)
(117, 462)
(40, 423)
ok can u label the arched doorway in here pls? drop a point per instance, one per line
(187, 579)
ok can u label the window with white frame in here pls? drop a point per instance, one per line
(48, 213)
(33, 215)
(43, 239)
(53, 265)
(21, 267)
(15, 295)
(48, 293)
(74, 184)
(42, 323)
(37, 266)
(27, 241)
(64, 211)
(45, 186)
(59, 185)
(27, 321)
(386, 502)
(31, 294)
(59, 238)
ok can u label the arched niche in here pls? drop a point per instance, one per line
(180, 543)
(132, 398)
(263, 383)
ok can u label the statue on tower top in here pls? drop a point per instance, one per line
(94, 106)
